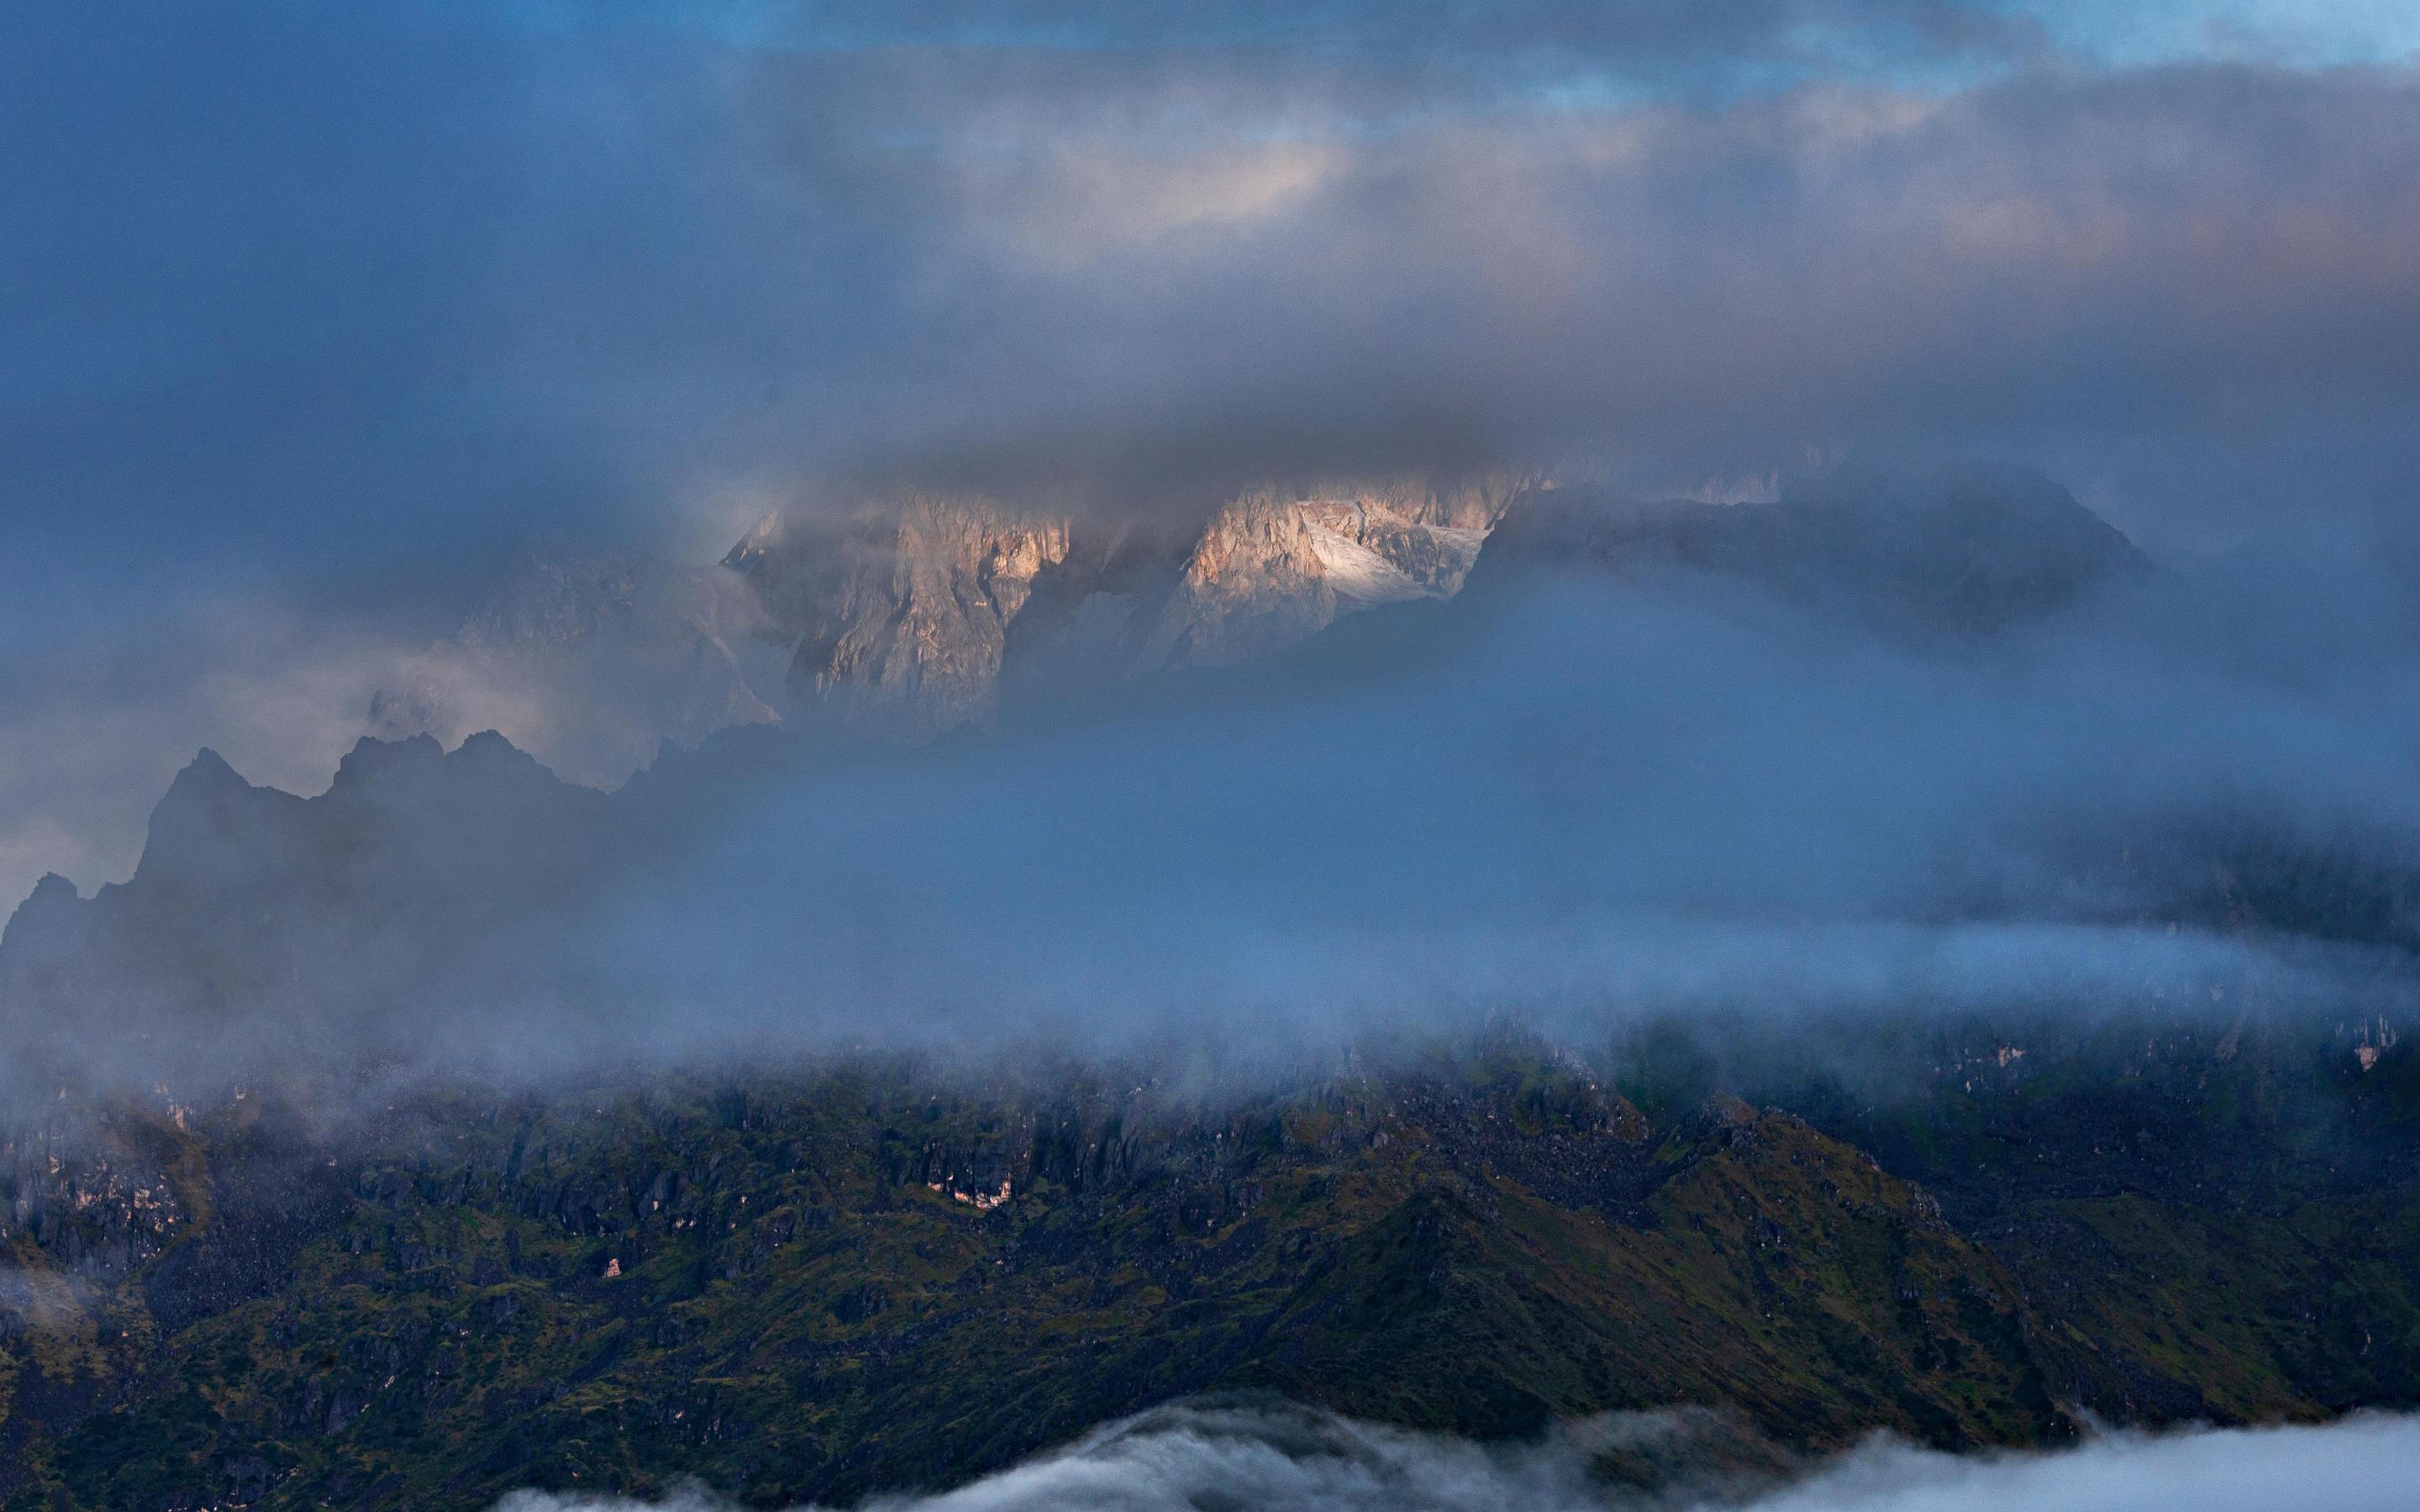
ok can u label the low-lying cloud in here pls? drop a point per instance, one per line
(1582, 803)
(1182, 1458)
(1601, 800)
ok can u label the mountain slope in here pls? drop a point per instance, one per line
(908, 617)
(869, 1275)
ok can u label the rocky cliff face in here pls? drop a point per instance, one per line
(1254, 582)
(896, 618)
(1274, 567)
(908, 617)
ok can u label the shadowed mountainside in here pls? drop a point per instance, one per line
(874, 1276)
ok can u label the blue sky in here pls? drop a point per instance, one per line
(2124, 35)
(2302, 32)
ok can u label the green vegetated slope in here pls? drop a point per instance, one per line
(869, 1277)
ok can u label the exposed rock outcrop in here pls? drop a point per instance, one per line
(1255, 581)
(1276, 566)
(897, 616)
(907, 618)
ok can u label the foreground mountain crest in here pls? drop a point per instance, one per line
(810, 1287)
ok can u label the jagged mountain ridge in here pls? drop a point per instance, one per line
(898, 618)
(257, 919)
(418, 870)
(908, 616)
(904, 615)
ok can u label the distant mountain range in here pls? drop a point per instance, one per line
(423, 874)
(902, 623)
(905, 617)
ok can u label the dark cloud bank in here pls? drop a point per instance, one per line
(316, 287)
(310, 311)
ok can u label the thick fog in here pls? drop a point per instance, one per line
(1592, 797)
(1282, 1460)
(313, 312)
(1571, 797)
